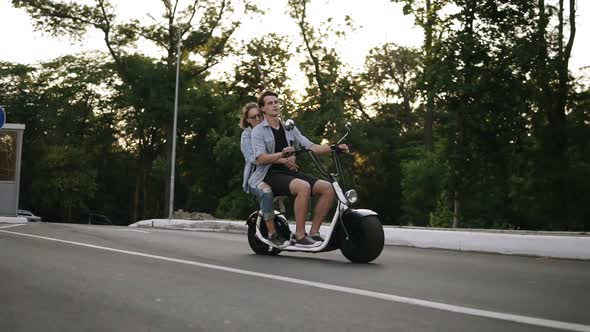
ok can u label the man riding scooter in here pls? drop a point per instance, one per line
(269, 139)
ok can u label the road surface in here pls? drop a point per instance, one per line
(63, 277)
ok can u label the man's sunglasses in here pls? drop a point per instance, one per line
(259, 116)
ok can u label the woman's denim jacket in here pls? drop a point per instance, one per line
(250, 166)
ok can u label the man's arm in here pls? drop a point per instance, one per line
(272, 158)
(317, 149)
(262, 156)
(322, 149)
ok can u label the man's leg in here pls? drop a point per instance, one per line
(302, 192)
(326, 192)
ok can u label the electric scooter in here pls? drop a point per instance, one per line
(358, 233)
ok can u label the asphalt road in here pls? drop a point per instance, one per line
(60, 277)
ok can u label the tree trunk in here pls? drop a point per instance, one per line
(168, 157)
(456, 210)
(148, 207)
(464, 104)
(429, 116)
(557, 117)
(144, 192)
(557, 139)
(556, 114)
(314, 59)
(141, 204)
(544, 99)
(68, 214)
(134, 213)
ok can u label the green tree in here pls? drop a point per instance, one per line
(427, 15)
(263, 65)
(209, 159)
(390, 82)
(330, 92)
(391, 78)
(202, 29)
(69, 119)
(552, 87)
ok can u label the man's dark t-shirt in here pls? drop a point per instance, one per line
(280, 176)
(280, 144)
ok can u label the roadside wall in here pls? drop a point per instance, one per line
(543, 244)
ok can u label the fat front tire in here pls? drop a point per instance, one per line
(256, 245)
(366, 240)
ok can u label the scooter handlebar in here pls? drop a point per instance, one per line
(336, 147)
(294, 152)
(299, 151)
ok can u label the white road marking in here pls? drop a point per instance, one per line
(15, 225)
(383, 296)
(133, 230)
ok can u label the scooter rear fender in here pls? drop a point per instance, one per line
(252, 218)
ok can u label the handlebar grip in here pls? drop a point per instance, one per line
(336, 148)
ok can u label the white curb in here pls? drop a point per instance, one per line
(543, 244)
(13, 220)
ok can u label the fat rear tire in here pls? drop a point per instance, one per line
(258, 246)
(366, 240)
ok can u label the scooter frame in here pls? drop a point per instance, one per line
(331, 231)
(343, 203)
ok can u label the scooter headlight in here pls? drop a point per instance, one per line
(352, 196)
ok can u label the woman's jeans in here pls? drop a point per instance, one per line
(266, 202)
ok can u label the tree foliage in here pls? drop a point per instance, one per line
(203, 30)
(483, 126)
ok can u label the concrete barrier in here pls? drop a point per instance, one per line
(542, 244)
(13, 220)
(230, 226)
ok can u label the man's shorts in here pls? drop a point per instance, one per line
(279, 181)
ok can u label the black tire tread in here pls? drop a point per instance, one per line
(256, 245)
(366, 242)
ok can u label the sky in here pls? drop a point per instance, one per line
(377, 21)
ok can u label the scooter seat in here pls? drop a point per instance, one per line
(279, 202)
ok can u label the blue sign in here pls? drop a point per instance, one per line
(2, 117)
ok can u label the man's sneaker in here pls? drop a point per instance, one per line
(278, 240)
(306, 242)
(317, 237)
